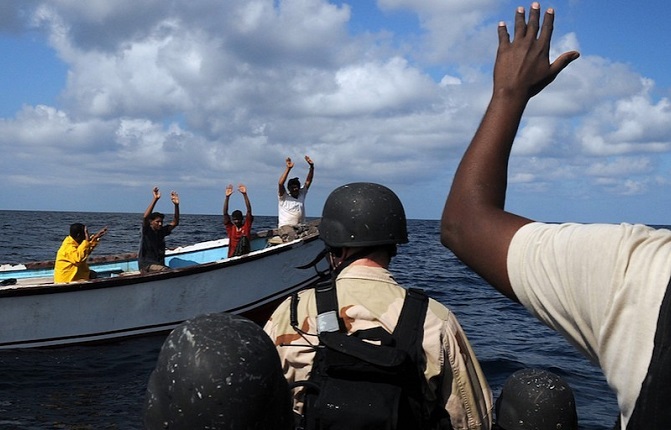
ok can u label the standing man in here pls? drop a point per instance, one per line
(362, 224)
(605, 287)
(239, 240)
(291, 205)
(71, 259)
(151, 257)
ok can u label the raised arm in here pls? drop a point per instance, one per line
(283, 178)
(474, 224)
(175, 218)
(229, 191)
(311, 172)
(150, 208)
(95, 238)
(248, 205)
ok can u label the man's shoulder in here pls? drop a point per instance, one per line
(439, 310)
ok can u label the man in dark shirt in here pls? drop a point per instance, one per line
(151, 257)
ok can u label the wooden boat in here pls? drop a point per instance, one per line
(35, 312)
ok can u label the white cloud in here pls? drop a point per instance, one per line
(631, 124)
(215, 91)
(370, 88)
(620, 166)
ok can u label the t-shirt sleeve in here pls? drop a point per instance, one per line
(580, 278)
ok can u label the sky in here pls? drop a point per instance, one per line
(103, 100)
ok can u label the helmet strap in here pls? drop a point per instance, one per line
(348, 260)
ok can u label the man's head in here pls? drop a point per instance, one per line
(363, 215)
(156, 220)
(236, 218)
(78, 232)
(294, 187)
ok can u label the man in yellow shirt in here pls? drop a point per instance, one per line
(71, 258)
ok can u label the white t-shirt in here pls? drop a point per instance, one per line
(601, 286)
(290, 210)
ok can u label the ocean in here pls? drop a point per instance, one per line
(103, 386)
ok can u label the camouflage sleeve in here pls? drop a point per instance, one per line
(295, 350)
(464, 389)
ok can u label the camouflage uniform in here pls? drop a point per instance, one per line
(369, 297)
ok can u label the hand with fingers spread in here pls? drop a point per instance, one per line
(523, 66)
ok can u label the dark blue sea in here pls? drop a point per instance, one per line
(103, 386)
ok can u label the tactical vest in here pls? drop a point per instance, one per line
(356, 384)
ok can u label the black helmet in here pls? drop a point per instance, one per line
(535, 399)
(363, 214)
(218, 371)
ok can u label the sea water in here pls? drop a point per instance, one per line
(103, 386)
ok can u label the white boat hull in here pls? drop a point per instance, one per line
(37, 315)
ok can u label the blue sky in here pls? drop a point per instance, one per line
(104, 100)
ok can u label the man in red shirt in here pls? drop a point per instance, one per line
(237, 230)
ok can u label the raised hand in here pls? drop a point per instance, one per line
(523, 66)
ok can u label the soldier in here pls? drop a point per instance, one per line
(362, 224)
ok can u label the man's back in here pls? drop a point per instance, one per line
(369, 297)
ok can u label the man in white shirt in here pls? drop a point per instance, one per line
(605, 287)
(291, 200)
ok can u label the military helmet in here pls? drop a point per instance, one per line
(363, 214)
(218, 371)
(535, 399)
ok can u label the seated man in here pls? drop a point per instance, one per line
(71, 259)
